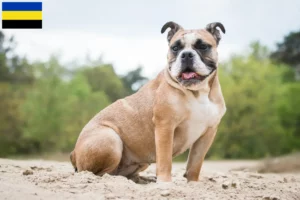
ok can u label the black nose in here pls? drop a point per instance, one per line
(187, 56)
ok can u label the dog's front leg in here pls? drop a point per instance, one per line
(164, 147)
(197, 154)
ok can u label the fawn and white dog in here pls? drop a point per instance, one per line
(180, 109)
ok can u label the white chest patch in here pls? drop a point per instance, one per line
(203, 114)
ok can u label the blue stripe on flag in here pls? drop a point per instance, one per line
(21, 6)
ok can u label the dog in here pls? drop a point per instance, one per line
(180, 109)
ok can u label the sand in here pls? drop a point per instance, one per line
(38, 179)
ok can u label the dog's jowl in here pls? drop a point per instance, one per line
(180, 109)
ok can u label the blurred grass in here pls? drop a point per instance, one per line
(282, 164)
(289, 163)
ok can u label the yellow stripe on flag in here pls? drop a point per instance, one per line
(22, 15)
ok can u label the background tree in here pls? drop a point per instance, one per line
(288, 52)
(134, 79)
(56, 110)
(15, 78)
(104, 78)
(253, 88)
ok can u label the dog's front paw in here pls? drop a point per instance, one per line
(161, 179)
(163, 185)
(191, 177)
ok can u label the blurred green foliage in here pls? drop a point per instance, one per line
(261, 112)
(44, 105)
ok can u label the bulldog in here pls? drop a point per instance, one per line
(180, 109)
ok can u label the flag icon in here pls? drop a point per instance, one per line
(22, 15)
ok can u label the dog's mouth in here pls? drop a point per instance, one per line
(192, 76)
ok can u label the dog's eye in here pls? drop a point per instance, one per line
(175, 48)
(202, 47)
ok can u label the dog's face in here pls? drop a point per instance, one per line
(192, 55)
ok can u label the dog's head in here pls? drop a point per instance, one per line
(192, 55)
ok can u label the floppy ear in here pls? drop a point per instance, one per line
(212, 28)
(174, 28)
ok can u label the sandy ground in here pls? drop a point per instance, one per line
(37, 179)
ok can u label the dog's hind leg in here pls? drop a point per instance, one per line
(73, 160)
(99, 151)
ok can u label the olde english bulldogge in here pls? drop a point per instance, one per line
(180, 109)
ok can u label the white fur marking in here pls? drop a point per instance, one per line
(176, 66)
(204, 114)
(199, 66)
(190, 39)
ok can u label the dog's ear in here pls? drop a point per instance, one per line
(212, 28)
(174, 28)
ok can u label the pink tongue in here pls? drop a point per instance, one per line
(188, 75)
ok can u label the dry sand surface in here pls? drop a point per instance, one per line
(36, 179)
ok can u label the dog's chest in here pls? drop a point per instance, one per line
(202, 114)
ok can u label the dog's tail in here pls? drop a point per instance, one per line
(73, 160)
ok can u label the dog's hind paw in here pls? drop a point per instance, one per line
(143, 179)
